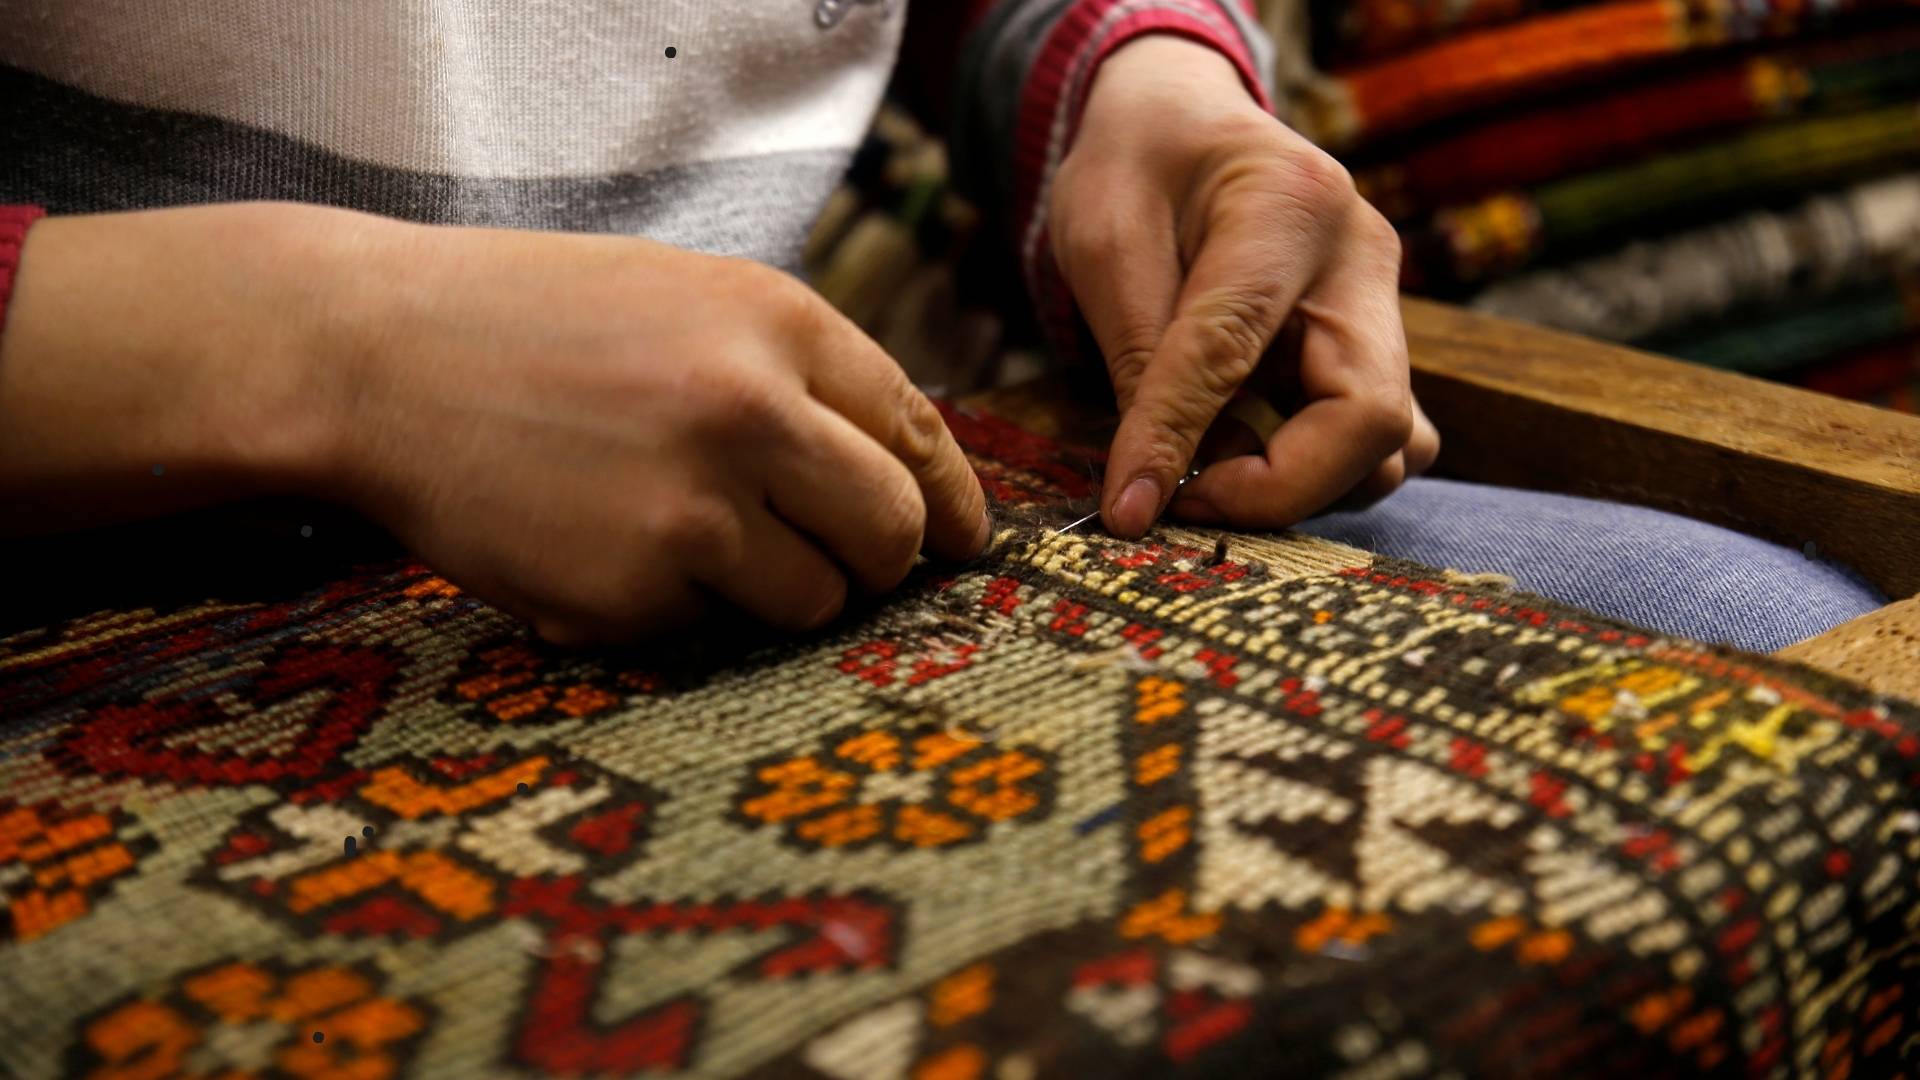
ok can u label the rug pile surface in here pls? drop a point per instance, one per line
(1082, 808)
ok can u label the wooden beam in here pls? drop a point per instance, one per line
(1532, 408)
(1880, 650)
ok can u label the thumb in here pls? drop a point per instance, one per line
(1236, 298)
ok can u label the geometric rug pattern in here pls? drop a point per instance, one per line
(1204, 803)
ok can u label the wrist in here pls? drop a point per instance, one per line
(1166, 67)
(286, 329)
(1160, 108)
(347, 306)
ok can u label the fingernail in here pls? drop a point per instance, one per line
(986, 533)
(1133, 511)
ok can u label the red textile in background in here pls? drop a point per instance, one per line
(1871, 373)
(1561, 139)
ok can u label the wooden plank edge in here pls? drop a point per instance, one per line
(1879, 650)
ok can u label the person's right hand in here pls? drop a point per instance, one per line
(599, 434)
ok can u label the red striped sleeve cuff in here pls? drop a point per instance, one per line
(1049, 113)
(14, 223)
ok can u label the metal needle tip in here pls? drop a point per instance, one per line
(1076, 524)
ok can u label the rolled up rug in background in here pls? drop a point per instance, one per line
(1667, 284)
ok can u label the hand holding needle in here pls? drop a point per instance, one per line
(1182, 482)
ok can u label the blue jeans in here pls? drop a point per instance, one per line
(1654, 569)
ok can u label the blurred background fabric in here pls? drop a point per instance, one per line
(1735, 184)
(1731, 182)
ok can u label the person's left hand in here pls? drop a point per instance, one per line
(1191, 225)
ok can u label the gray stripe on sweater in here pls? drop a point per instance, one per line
(993, 71)
(1259, 45)
(73, 152)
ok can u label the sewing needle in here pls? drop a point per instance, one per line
(1182, 482)
(1076, 524)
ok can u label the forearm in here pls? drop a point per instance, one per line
(600, 434)
(163, 360)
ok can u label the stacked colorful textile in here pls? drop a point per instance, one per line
(1736, 184)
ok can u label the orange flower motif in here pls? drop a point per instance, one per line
(241, 1020)
(518, 682)
(919, 789)
(432, 586)
(58, 865)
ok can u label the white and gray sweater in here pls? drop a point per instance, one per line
(717, 125)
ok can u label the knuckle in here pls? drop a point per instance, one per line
(706, 530)
(793, 307)
(1386, 422)
(1124, 368)
(782, 292)
(1378, 234)
(1129, 351)
(1092, 245)
(728, 399)
(1235, 325)
(920, 436)
(1319, 180)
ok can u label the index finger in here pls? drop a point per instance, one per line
(1354, 370)
(1243, 283)
(854, 377)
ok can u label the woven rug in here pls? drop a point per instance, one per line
(1241, 805)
